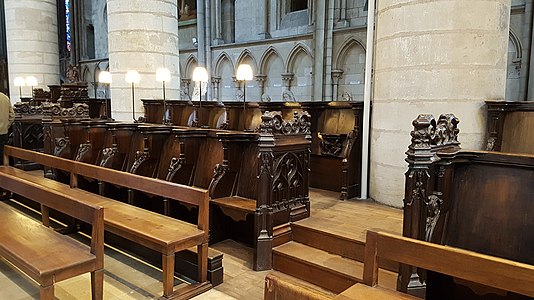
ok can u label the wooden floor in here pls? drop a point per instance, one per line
(129, 278)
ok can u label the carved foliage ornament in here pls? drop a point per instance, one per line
(274, 123)
(79, 110)
(433, 210)
(428, 133)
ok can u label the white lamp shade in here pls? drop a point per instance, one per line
(244, 72)
(104, 77)
(163, 75)
(31, 81)
(19, 81)
(200, 74)
(133, 77)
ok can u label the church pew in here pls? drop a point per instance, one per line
(211, 115)
(149, 230)
(234, 115)
(336, 146)
(263, 180)
(510, 126)
(453, 197)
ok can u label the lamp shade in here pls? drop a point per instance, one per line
(31, 81)
(244, 72)
(163, 75)
(200, 74)
(19, 81)
(133, 76)
(104, 77)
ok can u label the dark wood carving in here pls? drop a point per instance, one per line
(465, 199)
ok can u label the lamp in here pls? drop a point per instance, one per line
(200, 75)
(244, 73)
(31, 81)
(133, 77)
(19, 81)
(105, 78)
(163, 75)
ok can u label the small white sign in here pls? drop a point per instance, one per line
(250, 86)
(302, 84)
(226, 86)
(277, 85)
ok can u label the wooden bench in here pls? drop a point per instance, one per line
(154, 231)
(43, 254)
(487, 270)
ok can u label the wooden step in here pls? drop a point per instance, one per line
(310, 232)
(329, 271)
(315, 233)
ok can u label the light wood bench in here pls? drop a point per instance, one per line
(487, 270)
(43, 254)
(155, 231)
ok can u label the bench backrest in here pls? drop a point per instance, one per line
(90, 213)
(484, 269)
(168, 190)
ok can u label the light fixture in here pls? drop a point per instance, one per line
(105, 78)
(163, 75)
(244, 73)
(31, 81)
(133, 77)
(200, 75)
(20, 82)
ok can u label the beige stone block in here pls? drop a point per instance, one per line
(442, 16)
(439, 84)
(491, 47)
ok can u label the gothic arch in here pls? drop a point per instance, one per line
(85, 74)
(191, 60)
(242, 56)
(345, 47)
(220, 61)
(516, 42)
(265, 57)
(293, 54)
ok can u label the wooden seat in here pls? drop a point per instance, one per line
(43, 254)
(238, 203)
(157, 232)
(34, 248)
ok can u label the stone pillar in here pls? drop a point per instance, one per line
(287, 78)
(201, 33)
(261, 78)
(32, 43)
(215, 83)
(432, 57)
(218, 23)
(228, 20)
(342, 22)
(336, 76)
(265, 25)
(142, 37)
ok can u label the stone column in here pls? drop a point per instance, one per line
(215, 83)
(287, 78)
(260, 78)
(336, 75)
(201, 33)
(432, 57)
(32, 43)
(143, 36)
(218, 23)
(342, 22)
(265, 25)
